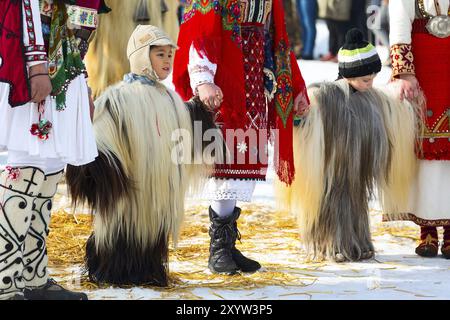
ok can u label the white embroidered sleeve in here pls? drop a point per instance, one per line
(201, 70)
(32, 33)
(402, 13)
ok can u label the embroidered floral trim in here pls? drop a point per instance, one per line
(402, 60)
(284, 99)
(33, 48)
(422, 222)
(201, 6)
(36, 57)
(30, 23)
(84, 17)
(440, 127)
(229, 10)
(231, 17)
(13, 173)
(201, 69)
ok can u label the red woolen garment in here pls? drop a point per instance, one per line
(12, 53)
(213, 27)
(432, 62)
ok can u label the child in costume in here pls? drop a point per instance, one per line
(352, 138)
(44, 125)
(136, 187)
(106, 49)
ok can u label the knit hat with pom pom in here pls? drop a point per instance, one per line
(357, 58)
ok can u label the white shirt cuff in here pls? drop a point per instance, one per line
(200, 69)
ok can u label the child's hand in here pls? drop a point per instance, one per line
(301, 104)
(211, 95)
(408, 87)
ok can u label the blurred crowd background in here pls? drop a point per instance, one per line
(302, 16)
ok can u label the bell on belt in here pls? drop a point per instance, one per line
(439, 26)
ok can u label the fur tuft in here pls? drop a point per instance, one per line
(87, 183)
(404, 126)
(128, 264)
(203, 118)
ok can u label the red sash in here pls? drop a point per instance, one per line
(12, 52)
(432, 62)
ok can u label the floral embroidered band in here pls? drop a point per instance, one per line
(83, 17)
(402, 60)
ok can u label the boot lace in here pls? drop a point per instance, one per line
(224, 231)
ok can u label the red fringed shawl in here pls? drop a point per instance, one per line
(12, 53)
(213, 27)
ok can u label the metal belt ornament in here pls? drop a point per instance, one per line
(439, 26)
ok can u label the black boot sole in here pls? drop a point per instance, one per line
(227, 273)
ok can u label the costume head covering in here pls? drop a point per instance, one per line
(138, 50)
(357, 57)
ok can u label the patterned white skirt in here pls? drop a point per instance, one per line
(430, 196)
(71, 139)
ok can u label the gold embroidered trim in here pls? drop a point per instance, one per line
(420, 221)
(439, 128)
(402, 60)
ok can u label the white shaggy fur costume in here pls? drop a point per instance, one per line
(138, 183)
(348, 144)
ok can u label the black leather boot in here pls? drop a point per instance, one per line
(53, 291)
(223, 237)
(244, 264)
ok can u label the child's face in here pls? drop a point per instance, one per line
(161, 59)
(362, 83)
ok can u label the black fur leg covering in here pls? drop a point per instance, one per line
(127, 263)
